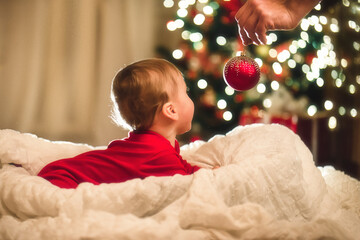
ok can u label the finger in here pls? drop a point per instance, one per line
(249, 28)
(241, 17)
(243, 14)
(260, 32)
(244, 38)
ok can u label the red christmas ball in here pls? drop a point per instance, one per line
(241, 73)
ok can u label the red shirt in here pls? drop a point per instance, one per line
(142, 154)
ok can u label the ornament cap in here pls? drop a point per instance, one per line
(241, 54)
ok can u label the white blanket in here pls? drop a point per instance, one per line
(266, 188)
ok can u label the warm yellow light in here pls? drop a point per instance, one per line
(259, 61)
(352, 89)
(196, 37)
(328, 105)
(208, 10)
(199, 19)
(202, 83)
(272, 53)
(291, 63)
(221, 40)
(221, 104)
(344, 63)
(320, 82)
(168, 3)
(342, 110)
(182, 12)
(227, 116)
(186, 35)
(261, 88)
(229, 91)
(353, 112)
(171, 26)
(275, 85)
(311, 111)
(267, 103)
(177, 54)
(332, 122)
(277, 68)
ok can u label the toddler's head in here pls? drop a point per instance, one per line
(140, 89)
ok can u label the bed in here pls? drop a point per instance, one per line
(266, 188)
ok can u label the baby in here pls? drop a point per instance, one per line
(150, 95)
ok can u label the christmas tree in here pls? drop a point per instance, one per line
(308, 72)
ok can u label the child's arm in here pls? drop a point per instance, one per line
(58, 176)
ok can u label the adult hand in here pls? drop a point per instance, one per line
(256, 17)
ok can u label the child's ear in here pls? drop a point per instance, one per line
(170, 111)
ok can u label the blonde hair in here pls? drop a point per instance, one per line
(139, 90)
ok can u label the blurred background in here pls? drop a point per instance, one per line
(58, 58)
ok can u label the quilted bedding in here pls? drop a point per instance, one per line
(266, 188)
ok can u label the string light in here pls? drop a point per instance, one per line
(344, 63)
(183, 4)
(318, 7)
(227, 116)
(267, 103)
(352, 89)
(334, 27)
(277, 68)
(208, 10)
(318, 28)
(221, 104)
(202, 83)
(293, 48)
(229, 91)
(182, 12)
(323, 20)
(328, 105)
(304, 36)
(320, 82)
(356, 46)
(338, 82)
(171, 26)
(261, 88)
(291, 63)
(275, 85)
(283, 56)
(332, 122)
(196, 37)
(311, 111)
(272, 53)
(177, 54)
(198, 46)
(168, 3)
(302, 43)
(179, 23)
(353, 112)
(221, 40)
(342, 111)
(258, 61)
(186, 35)
(199, 19)
(305, 68)
(304, 24)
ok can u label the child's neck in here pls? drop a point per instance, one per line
(166, 133)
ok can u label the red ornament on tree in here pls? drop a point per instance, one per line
(241, 73)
